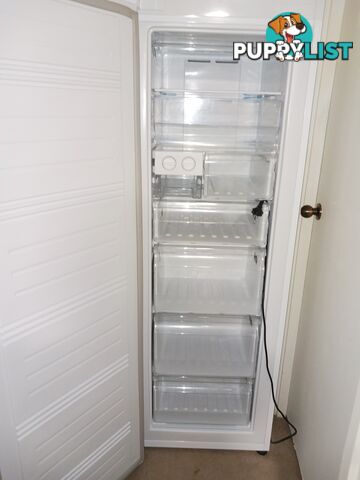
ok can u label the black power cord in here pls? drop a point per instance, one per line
(258, 211)
(291, 425)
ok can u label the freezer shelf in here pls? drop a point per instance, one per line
(199, 401)
(199, 223)
(204, 62)
(220, 137)
(216, 109)
(208, 280)
(205, 345)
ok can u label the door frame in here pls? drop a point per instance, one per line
(332, 22)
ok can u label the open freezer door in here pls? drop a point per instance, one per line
(69, 314)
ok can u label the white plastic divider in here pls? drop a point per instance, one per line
(194, 400)
(206, 345)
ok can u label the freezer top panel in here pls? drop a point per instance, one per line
(226, 12)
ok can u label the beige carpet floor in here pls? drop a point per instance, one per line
(189, 464)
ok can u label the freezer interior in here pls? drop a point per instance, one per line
(215, 137)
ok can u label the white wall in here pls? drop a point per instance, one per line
(327, 362)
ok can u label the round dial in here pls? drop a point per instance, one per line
(169, 163)
(188, 163)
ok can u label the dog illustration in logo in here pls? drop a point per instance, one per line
(288, 26)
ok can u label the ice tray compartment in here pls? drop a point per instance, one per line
(205, 345)
(208, 280)
(195, 401)
(201, 223)
(239, 176)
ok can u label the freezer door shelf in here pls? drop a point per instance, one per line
(200, 223)
(208, 280)
(198, 401)
(205, 345)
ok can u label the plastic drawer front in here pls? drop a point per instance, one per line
(239, 176)
(205, 345)
(197, 223)
(212, 402)
(208, 280)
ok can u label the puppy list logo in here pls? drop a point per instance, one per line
(289, 31)
(288, 37)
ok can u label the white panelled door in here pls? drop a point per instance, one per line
(69, 392)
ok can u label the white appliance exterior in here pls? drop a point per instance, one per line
(69, 381)
(59, 20)
(240, 17)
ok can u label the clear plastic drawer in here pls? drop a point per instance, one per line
(205, 62)
(208, 280)
(209, 137)
(202, 401)
(200, 223)
(216, 109)
(165, 186)
(205, 345)
(239, 176)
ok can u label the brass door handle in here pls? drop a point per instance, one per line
(308, 211)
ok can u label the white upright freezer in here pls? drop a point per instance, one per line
(223, 145)
(148, 181)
